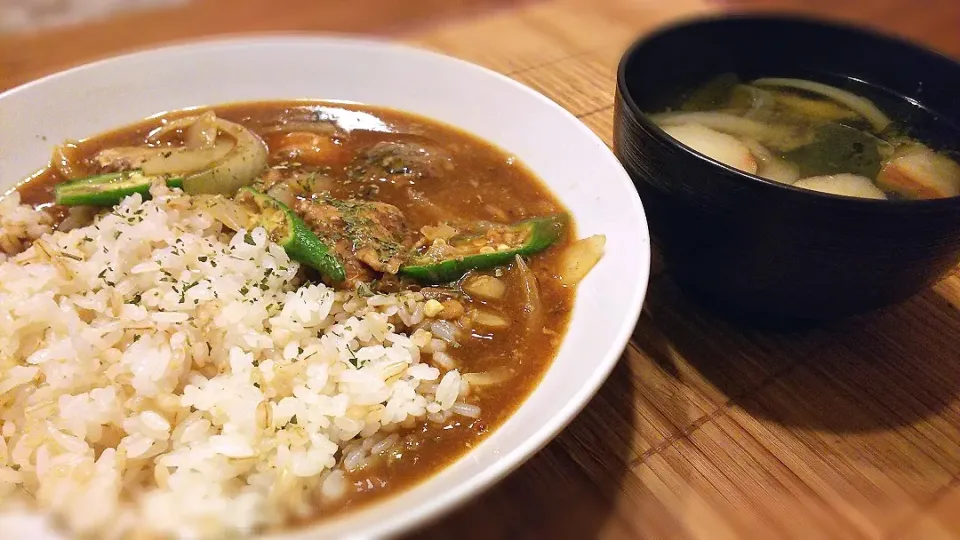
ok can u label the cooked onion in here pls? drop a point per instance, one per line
(203, 132)
(283, 193)
(443, 231)
(488, 378)
(761, 101)
(861, 105)
(771, 166)
(221, 168)
(490, 320)
(725, 122)
(444, 330)
(199, 131)
(484, 286)
(224, 210)
(814, 108)
(444, 360)
(578, 259)
(465, 409)
(180, 160)
(781, 137)
(236, 169)
(78, 216)
(529, 294)
(68, 161)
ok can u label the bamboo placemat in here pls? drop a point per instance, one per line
(705, 430)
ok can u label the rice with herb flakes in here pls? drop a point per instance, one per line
(159, 376)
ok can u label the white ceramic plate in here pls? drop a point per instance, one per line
(572, 161)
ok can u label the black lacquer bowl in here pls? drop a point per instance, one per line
(765, 251)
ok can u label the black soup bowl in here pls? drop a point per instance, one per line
(760, 250)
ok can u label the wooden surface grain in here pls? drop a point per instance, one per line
(704, 430)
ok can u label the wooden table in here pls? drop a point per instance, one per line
(704, 430)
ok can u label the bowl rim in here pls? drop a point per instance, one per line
(860, 31)
(562, 415)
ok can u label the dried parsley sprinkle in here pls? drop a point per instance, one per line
(248, 239)
(353, 358)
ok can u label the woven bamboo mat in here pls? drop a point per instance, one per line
(705, 430)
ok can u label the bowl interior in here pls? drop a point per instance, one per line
(572, 161)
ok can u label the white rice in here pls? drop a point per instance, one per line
(161, 377)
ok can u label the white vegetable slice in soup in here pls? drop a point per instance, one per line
(719, 146)
(849, 185)
(772, 167)
(918, 172)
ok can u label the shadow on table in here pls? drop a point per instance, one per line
(873, 372)
(566, 490)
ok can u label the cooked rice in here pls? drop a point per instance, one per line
(19, 224)
(159, 376)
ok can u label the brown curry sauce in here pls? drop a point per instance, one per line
(468, 180)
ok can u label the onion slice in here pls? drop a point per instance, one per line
(761, 101)
(235, 157)
(771, 166)
(781, 137)
(235, 170)
(490, 320)
(283, 193)
(233, 215)
(203, 132)
(164, 160)
(199, 131)
(68, 161)
(861, 105)
(488, 378)
(577, 261)
(530, 295)
(484, 286)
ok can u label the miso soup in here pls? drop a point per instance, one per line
(863, 143)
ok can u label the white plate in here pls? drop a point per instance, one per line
(573, 162)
